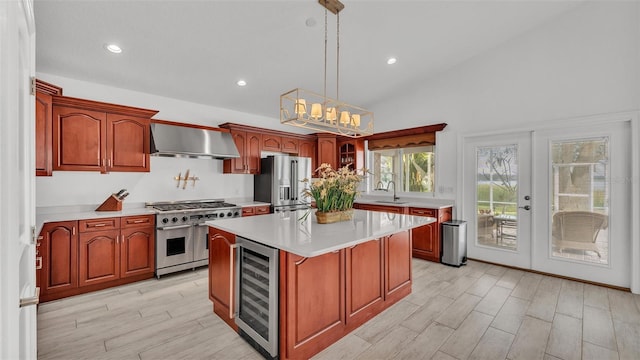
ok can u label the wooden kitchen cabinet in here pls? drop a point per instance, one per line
(249, 146)
(256, 210)
(351, 153)
(327, 150)
(397, 265)
(44, 127)
(312, 303)
(271, 142)
(94, 136)
(290, 145)
(426, 239)
(307, 148)
(222, 274)
(383, 208)
(59, 250)
(364, 280)
(137, 246)
(93, 254)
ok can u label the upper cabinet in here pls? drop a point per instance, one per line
(249, 147)
(251, 141)
(44, 131)
(351, 153)
(94, 136)
(327, 150)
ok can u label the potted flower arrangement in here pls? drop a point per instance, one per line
(334, 193)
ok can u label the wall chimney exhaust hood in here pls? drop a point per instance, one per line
(182, 141)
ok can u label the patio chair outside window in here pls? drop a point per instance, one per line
(578, 230)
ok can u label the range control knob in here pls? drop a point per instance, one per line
(229, 214)
(221, 215)
(185, 218)
(237, 213)
(175, 219)
(165, 220)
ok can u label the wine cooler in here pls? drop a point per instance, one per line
(256, 300)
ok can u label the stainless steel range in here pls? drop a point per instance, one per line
(182, 240)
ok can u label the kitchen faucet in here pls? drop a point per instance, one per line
(380, 188)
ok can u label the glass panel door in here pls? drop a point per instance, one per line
(497, 198)
(583, 213)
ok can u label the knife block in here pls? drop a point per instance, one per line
(111, 204)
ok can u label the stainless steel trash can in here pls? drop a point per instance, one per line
(454, 243)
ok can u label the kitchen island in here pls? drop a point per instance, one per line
(332, 278)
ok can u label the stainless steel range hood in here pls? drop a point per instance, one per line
(181, 141)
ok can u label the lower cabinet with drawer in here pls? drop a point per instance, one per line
(426, 239)
(88, 255)
(255, 210)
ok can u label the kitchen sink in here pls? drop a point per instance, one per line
(390, 202)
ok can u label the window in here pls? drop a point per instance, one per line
(412, 169)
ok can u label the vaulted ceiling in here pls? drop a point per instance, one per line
(198, 50)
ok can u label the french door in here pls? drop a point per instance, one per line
(582, 219)
(553, 200)
(497, 198)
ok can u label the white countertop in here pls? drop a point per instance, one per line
(308, 238)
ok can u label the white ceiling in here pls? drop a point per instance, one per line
(197, 50)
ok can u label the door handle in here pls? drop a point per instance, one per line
(34, 300)
(526, 207)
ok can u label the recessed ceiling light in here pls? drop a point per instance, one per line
(391, 61)
(113, 48)
(241, 83)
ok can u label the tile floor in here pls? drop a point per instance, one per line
(480, 311)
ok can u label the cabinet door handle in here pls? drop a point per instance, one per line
(73, 230)
(109, 162)
(39, 263)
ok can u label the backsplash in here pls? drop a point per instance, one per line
(84, 187)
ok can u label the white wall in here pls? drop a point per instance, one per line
(88, 188)
(581, 63)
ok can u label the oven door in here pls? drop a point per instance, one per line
(174, 245)
(201, 242)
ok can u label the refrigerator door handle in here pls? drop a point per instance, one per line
(294, 179)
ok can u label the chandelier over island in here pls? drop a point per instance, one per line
(318, 112)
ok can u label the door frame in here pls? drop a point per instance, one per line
(17, 273)
(632, 116)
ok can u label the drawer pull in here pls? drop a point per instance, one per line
(137, 221)
(39, 263)
(98, 225)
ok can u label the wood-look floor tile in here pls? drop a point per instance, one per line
(595, 352)
(482, 285)
(493, 345)
(144, 338)
(424, 316)
(511, 315)
(565, 340)
(510, 278)
(378, 327)
(426, 344)
(442, 356)
(543, 303)
(596, 296)
(475, 269)
(424, 295)
(628, 339)
(496, 270)
(493, 301)
(458, 287)
(598, 327)
(389, 345)
(87, 350)
(349, 347)
(531, 340)
(623, 306)
(550, 357)
(456, 313)
(527, 286)
(462, 342)
(571, 299)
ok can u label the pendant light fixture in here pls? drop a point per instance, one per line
(310, 110)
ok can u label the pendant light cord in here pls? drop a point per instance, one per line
(325, 54)
(338, 56)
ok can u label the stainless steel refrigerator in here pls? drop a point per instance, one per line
(280, 182)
